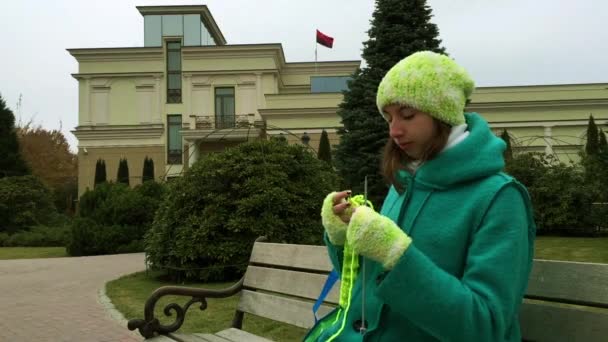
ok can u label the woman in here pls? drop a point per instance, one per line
(449, 255)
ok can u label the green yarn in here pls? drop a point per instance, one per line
(359, 200)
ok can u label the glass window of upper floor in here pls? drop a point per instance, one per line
(328, 84)
(188, 26)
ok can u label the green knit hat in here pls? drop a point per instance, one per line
(430, 82)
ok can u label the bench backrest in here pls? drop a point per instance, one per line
(283, 281)
(565, 301)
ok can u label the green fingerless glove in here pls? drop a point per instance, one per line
(376, 237)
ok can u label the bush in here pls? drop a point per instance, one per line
(117, 204)
(91, 238)
(39, 236)
(211, 216)
(3, 239)
(560, 196)
(113, 218)
(25, 202)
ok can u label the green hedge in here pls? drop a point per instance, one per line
(562, 194)
(113, 218)
(24, 203)
(210, 217)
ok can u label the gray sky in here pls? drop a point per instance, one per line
(500, 42)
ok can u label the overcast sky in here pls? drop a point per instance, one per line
(500, 42)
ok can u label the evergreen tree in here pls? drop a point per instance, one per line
(508, 151)
(100, 172)
(148, 172)
(123, 172)
(324, 148)
(603, 145)
(592, 147)
(398, 29)
(11, 161)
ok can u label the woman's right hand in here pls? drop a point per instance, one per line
(342, 208)
(335, 215)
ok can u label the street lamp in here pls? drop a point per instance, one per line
(305, 139)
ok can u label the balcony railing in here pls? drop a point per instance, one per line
(174, 157)
(221, 122)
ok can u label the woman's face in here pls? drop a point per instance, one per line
(412, 130)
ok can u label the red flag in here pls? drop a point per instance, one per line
(324, 39)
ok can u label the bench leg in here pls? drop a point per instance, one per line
(237, 321)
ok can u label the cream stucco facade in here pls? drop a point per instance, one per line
(129, 108)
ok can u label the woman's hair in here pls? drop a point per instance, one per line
(395, 159)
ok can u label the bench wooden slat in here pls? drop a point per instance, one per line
(190, 338)
(291, 256)
(160, 338)
(286, 310)
(212, 338)
(575, 281)
(237, 335)
(301, 284)
(544, 322)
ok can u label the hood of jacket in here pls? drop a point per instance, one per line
(478, 156)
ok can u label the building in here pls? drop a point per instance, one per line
(187, 92)
(544, 118)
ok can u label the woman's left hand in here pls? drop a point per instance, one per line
(376, 237)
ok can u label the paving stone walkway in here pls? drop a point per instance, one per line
(61, 299)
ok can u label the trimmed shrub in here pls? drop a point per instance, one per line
(209, 219)
(113, 218)
(40, 236)
(561, 197)
(25, 202)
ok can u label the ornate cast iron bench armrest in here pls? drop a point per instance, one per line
(151, 325)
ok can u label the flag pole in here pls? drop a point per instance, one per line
(316, 46)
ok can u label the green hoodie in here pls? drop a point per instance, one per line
(464, 275)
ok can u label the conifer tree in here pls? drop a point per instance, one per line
(11, 161)
(123, 172)
(399, 28)
(324, 148)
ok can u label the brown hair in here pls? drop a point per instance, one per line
(395, 159)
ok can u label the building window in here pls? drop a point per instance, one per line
(174, 72)
(224, 108)
(329, 84)
(174, 139)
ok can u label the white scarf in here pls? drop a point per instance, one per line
(457, 134)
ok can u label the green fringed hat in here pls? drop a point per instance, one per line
(430, 82)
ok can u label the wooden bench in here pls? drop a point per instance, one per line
(566, 301)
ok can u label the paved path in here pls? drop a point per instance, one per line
(58, 300)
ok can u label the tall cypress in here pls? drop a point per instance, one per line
(123, 172)
(603, 145)
(11, 161)
(100, 171)
(593, 142)
(508, 154)
(399, 28)
(148, 172)
(324, 148)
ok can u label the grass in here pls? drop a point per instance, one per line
(572, 249)
(129, 293)
(31, 252)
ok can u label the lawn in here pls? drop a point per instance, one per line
(129, 293)
(572, 249)
(31, 252)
